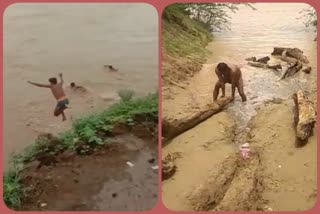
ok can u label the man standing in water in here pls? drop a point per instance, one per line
(58, 93)
(228, 73)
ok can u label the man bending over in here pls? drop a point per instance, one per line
(228, 73)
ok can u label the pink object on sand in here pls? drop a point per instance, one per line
(245, 151)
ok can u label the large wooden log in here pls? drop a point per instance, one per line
(304, 118)
(171, 129)
(291, 52)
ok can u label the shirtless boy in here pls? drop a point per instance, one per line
(58, 93)
(229, 73)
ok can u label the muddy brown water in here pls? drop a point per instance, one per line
(207, 146)
(255, 33)
(41, 40)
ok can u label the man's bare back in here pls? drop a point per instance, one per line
(229, 73)
(58, 93)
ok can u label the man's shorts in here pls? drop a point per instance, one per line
(62, 104)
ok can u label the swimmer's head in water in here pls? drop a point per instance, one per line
(53, 80)
(223, 67)
(72, 84)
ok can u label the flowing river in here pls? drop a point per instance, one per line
(42, 40)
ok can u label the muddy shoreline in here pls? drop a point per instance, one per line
(98, 180)
(226, 182)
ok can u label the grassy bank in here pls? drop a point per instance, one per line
(184, 42)
(86, 133)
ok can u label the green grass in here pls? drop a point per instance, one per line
(181, 35)
(12, 190)
(84, 129)
(125, 95)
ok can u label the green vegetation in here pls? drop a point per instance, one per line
(84, 130)
(182, 35)
(12, 191)
(184, 42)
(125, 95)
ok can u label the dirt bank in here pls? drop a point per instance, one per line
(183, 55)
(99, 181)
(107, 161)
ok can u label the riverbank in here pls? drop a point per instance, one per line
(183, 50)
(64, 172)
(276, 169)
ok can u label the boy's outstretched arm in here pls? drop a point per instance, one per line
(61, 79)
(39, 85)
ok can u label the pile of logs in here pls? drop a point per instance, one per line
(292, 56)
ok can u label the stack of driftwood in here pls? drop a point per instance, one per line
(292, 56)
(304, 112)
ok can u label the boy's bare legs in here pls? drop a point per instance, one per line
(59, 111)
(63, 116)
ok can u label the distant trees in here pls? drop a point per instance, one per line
(214, 15)
(309, 16)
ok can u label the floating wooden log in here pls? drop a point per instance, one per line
(304, 118)
(266, 66)
(291, 52)
(171, 129)
(253, 59)
(264, 59)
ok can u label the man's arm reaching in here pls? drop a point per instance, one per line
(39, 85)
(61, 79)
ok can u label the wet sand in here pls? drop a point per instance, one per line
(42, 40)
(276, 170)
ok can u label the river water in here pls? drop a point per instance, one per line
(42, 40)
(255, 33)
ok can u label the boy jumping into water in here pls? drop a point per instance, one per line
(229, 73)
(58, 93)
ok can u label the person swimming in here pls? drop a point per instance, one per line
(77, 87)
(111, 68)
